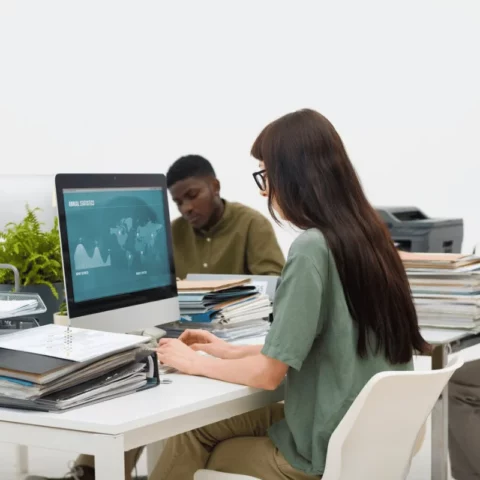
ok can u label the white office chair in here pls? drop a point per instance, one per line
(378, 434)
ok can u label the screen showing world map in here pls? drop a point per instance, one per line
(117, 241)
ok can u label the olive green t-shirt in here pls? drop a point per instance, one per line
(241, 242)
(314, 334)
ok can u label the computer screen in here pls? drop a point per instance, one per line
(116, 242)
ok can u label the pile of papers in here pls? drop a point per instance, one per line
(10, 308)
(445, 288)
(56, 368)
(13, 305)
(230, 309)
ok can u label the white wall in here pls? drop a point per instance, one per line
(18, 191)
(130, 86)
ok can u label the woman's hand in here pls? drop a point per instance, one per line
(206, 342)
(176, 354)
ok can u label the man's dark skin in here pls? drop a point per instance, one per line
(198, 200)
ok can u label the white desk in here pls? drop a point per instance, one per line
(108, 429)
(444, 342)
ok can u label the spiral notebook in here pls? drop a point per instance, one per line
(68, 343)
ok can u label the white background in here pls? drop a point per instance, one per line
(115, 86)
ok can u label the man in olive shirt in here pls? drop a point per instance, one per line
(213, 235)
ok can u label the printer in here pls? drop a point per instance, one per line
(413, 231)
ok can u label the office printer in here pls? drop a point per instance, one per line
(413, 231)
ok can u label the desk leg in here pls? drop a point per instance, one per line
(110, 459)
(154, 450)
(440, 421)
(21, 463)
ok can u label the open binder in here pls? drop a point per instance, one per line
(46, 378)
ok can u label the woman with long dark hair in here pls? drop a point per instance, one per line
(343, 312)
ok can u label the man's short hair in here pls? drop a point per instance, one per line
(189, 166)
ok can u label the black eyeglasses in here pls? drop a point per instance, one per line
(261, 179)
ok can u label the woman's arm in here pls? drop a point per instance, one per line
(238, 351)
(256, 370)
(201, 340)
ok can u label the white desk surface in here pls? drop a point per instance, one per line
(445, 335)
(184, 395)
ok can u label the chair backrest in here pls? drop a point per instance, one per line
(377, 436)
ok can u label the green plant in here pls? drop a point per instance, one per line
(63, 309)
(34, 251)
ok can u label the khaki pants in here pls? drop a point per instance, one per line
(237, 445)
(464, 422)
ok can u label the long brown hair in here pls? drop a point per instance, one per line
(315, 185)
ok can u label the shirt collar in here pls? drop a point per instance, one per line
(225, 218)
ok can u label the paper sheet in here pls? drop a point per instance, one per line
(261, 286)
(69, 343)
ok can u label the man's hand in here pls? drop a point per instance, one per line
(206, 342)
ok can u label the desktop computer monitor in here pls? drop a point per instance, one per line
(117, 251)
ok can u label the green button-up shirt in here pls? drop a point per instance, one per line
(242, 242)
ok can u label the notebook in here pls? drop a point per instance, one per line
(68, 343)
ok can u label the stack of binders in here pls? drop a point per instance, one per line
(230, 309)
(55, 368)
(445, 288)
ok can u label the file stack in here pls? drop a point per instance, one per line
(56, 368)
(231, 309)
(445, 288)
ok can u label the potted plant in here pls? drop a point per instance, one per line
(35, 252)
(61, 317)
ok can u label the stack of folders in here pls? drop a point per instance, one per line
(55, 368)
(230, 309)
(445, 288)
